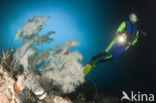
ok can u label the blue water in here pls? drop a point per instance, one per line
(92, 23)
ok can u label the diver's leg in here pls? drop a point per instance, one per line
(101, 54)
(108, 58)
(111, 46)
(88, 67)
(109, 49)
(115, 50)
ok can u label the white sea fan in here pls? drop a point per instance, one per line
(21, 55)
(31, 27)
(25, 59)
(30, 36)
(65, 70)
(62, 69)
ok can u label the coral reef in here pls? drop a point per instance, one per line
(7, 92)
(22, 81)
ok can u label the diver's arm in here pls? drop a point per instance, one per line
(121, 28)
(136, 38)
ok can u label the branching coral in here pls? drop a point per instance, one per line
(31, 38)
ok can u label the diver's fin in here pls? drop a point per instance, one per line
(87, 68)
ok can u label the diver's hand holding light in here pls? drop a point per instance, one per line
(122, 38)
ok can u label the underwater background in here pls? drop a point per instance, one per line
(93, 24)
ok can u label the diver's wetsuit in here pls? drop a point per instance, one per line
(116, 48)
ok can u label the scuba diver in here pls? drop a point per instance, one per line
(126, 35)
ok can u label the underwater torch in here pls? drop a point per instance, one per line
(122, 38)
